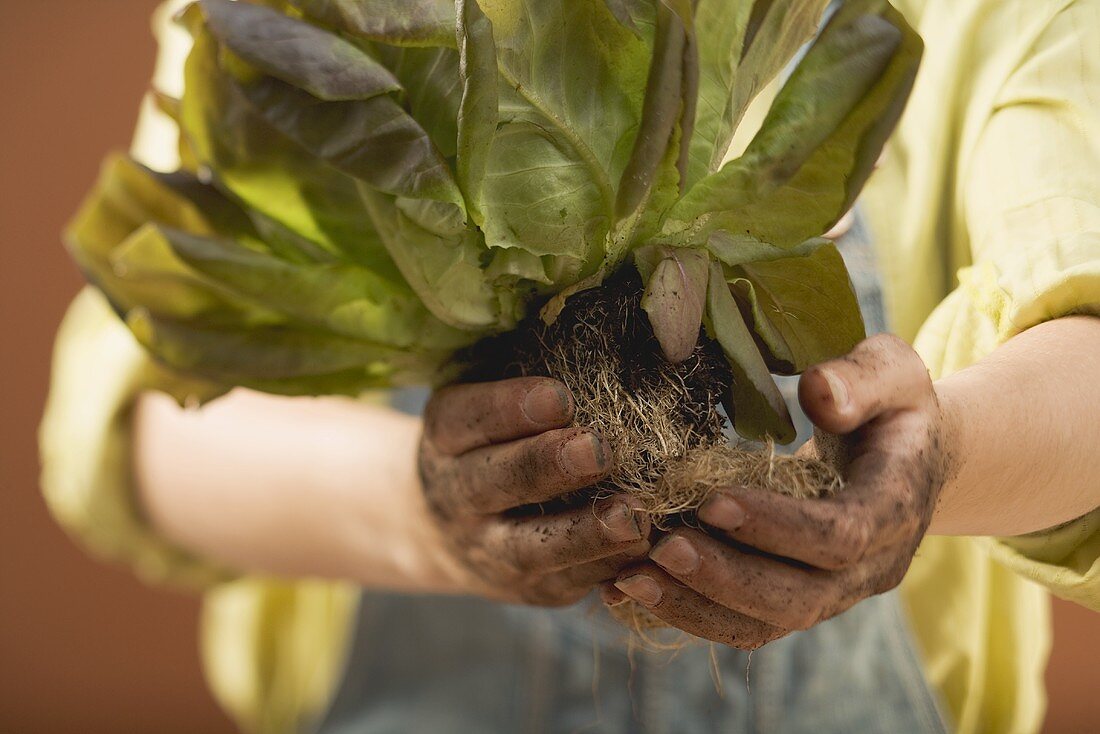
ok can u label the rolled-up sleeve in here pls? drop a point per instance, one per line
(1030, 198)
(86, 443)
(1031, 191)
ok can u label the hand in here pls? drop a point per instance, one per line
(820, 556)
(490, 453)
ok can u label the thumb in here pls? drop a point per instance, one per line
(881, 375)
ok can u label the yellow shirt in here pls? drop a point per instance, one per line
(986, 210)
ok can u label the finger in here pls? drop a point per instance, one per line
(770, 590)
(685, 609)
(820, 533)
(756, 586)
(555, 542)
(587, 575)
(873, 511)
(497, 478)
(462, 417)
(882, 374)
(570, 585)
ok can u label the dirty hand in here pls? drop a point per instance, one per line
(820, 556)
(490, 454)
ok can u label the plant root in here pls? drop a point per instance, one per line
(662, 421)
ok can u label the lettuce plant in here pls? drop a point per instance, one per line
(370, 189)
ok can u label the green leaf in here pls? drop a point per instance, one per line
(433, 90)
(660, 114)
(536, 194)
(719, 30)
(643, 226)
(689, 96)
(733, 249)
(757, 409)
(287, 244)
(681, 8)
(446, 273)
(273, 176)
(265, 355)
(510, 267)
(804, 309)
(820, 140)
(116, 240)
(834, 78)
(441, 220)
(647, 258)
(352, 382)
(579, 70)
(166, 103)
(727, 82)
(478, 116)
(396, 22)
(340, 298)
(742, 47)
(128, 195)
(219, 214)
(373, 140)
(143, 272)
(170, 106)
(633, 14)
(776, 30)
(674, 299)
(570, 103)
(298, 53)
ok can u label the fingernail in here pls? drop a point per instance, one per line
(640, 588)
(677, 556)
(546, 404)
(619, 522)
(584, 456)
(722, 512)
(838, 391)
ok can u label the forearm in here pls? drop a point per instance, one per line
(294, 487)
(1023, 433)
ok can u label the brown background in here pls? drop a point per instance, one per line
(83, 647)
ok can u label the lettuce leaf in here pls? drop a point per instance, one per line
(370, 186)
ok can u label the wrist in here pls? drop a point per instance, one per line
(436, 567)
(392, 540)
(952, 499)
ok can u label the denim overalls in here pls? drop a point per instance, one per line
(452, 665)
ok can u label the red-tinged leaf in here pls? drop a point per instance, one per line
(674, 300)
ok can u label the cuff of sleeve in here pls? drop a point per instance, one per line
(85, 443)
(1045, 264)
(1065, 559)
